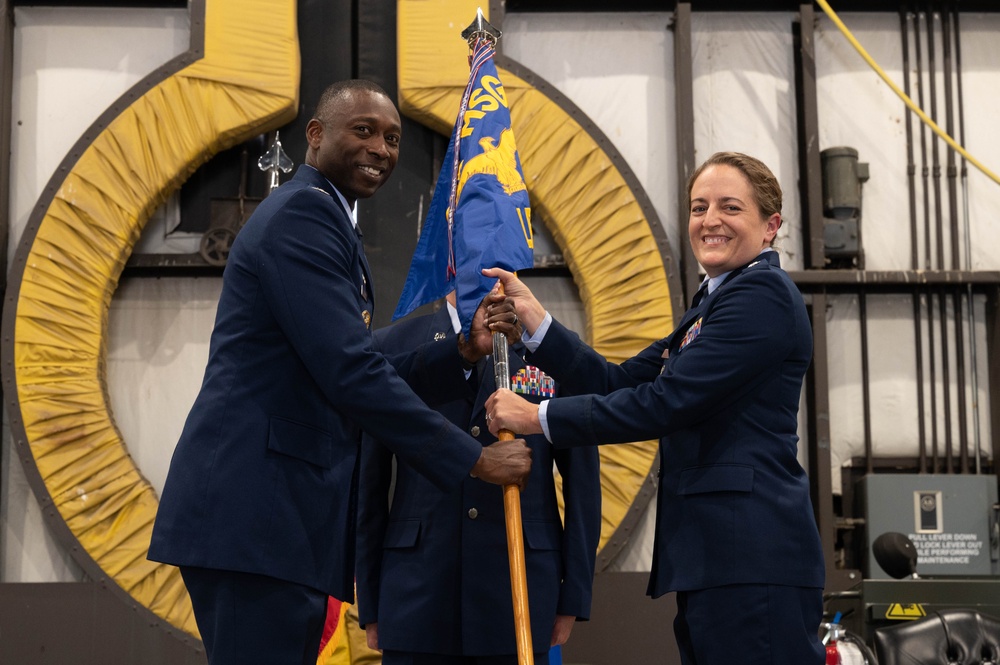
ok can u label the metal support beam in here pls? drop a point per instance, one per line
(992, 344)
(891, 281)
(818, 417)
(6, 113)
(684, 108)
(807, 112)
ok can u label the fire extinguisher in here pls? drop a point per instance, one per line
(832, 636)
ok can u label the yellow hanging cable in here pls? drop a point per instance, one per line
(902, 95)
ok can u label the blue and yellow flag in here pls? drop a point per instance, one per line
(480, 216)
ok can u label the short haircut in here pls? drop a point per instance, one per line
(335, 92)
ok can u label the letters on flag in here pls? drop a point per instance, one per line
(479, 216)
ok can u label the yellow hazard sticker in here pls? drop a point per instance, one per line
(905, 612)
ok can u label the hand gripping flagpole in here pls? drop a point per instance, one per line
(480, 29)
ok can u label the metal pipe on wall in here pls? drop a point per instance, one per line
(945, 381)
(935, 157)
(865, 380)
(956, 294)
(866, 406)
(971, 308)
(949, 123)
(939, 227)
(961, 406)
(904, 29)
(926, 296)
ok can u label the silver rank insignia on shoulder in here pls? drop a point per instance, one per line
(366, 316)
(754, 263)
(320, 189)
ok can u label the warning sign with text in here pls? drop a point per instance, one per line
(947, 548)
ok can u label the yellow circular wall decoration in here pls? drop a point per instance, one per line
(240, 78)
(592, 204)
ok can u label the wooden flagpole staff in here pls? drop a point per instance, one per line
(512, 515)
(480, 29)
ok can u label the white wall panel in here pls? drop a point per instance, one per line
(744, 101)
(618, 68)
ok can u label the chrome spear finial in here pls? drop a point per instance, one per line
(480, 28)
(274, 162)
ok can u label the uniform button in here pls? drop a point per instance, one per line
(473, 513)
(474, 431)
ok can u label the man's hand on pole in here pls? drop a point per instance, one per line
(504, 463)
(496, 314)
(529, 311)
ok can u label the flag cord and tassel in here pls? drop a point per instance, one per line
(512, 515)
(482, 50)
